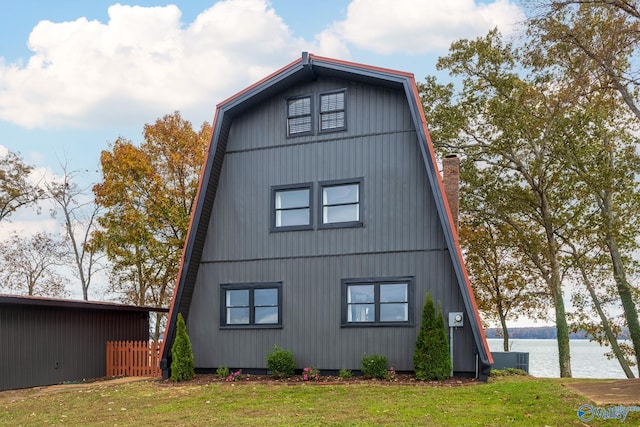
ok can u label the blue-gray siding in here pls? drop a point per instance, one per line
(402, 235)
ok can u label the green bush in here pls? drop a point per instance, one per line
(508, 372)
(374, 366)
(431, 358)
(223, 372)
(345, 374)
(281, 363)
(182, 356)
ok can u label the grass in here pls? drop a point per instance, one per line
(508, 400)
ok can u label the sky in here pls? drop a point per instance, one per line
(75, 74)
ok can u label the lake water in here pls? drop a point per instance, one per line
(588, 359)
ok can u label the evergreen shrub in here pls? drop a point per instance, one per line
(431, 357)
(182, 356)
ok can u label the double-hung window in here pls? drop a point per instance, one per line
(291, 207)
(341, 203)
(253, 305)
(299, 116)
(377, 302)
(332, 111)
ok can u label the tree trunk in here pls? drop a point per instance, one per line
(619, 275)
(562, 328)
(605, 322)
(505, 332)
(624, 291)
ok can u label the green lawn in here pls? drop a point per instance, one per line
(501, 401)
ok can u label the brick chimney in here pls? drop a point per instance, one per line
(451, 181)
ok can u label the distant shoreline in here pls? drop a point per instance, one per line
(542, 332)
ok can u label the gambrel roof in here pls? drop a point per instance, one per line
(309, 67)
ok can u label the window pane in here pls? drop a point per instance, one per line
(360, 293)
(394, 312)
(238, 298)
(237, 316)
(332, 102)
(332, 120)
(361, 313)
(346, 213)
(339, 194)
(292, 217)
(292, 199)
(300, 124)
(266, 315)
(396, 292)
(299, 107)
(265, 297)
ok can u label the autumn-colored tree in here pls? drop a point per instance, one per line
(597, 42)
(504, 282)
(30, 265)
(147, 193)
(16, 190)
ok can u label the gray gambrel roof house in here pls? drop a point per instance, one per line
(320, 225)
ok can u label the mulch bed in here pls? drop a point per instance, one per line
(401, 379)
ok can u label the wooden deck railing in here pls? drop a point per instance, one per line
(133, 359)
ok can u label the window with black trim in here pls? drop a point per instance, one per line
(332, 111)
(387, 301)
(299, 117)
(291, 207)
(251, 305)
(341, 203)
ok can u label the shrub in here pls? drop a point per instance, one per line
(281, 363)
(391, 374)
(182, 356)
(310, 374)
(431, 358)
(345, 374)
(508, 372)
(374, 366)
(222, 372)
(235, 376)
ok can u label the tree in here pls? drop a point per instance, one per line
(182, 368)
(148, 193)
(503, 282)
(605, 332)
(512, 128)
(16, 190)
(29, 265)
(79, 213)
(431, 357)
(596, 41)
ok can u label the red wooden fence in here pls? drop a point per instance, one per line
(133, 359)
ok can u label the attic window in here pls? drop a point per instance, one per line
(332, 111)
(299, 116)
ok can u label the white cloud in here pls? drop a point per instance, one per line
(418, 26)
(143, 63)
